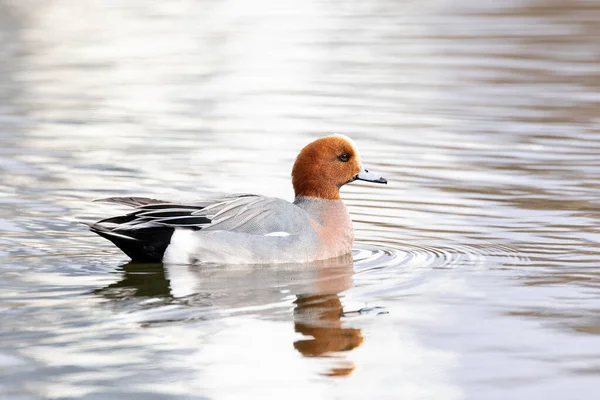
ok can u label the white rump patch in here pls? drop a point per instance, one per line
(278, 234)
(183, 245)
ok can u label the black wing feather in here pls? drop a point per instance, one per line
(145, 233)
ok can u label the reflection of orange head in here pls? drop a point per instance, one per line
(319, 316)
(343, 369)
(324, 165)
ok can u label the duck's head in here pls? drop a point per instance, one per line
(325, 165)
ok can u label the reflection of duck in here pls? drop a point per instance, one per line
(320, 316)
(318, 310)
(138, 280)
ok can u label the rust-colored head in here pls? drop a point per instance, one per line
(325, 165)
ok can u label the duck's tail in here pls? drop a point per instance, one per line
(143, 244)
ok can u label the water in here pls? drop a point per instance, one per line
(475, 272)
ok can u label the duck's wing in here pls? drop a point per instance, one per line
(258, 215)
(239, 213)
(194, 215)
(145, 233)
(131, 201)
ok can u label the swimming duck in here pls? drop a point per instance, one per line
(247, 228)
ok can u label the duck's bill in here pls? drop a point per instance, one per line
(365, 175)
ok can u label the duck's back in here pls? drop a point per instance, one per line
(233, 229)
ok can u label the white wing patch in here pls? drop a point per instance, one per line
(278, 234)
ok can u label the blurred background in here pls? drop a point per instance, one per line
(475, 273)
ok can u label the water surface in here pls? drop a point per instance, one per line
(475, 272)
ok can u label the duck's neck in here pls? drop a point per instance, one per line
(324, 211)
(308, 189)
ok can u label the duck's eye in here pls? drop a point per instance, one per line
(344, 157)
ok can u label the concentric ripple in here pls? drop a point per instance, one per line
(372, 257)
(400, 269)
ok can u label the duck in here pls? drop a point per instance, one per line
(249, 228)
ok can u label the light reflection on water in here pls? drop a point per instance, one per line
(476, 268)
